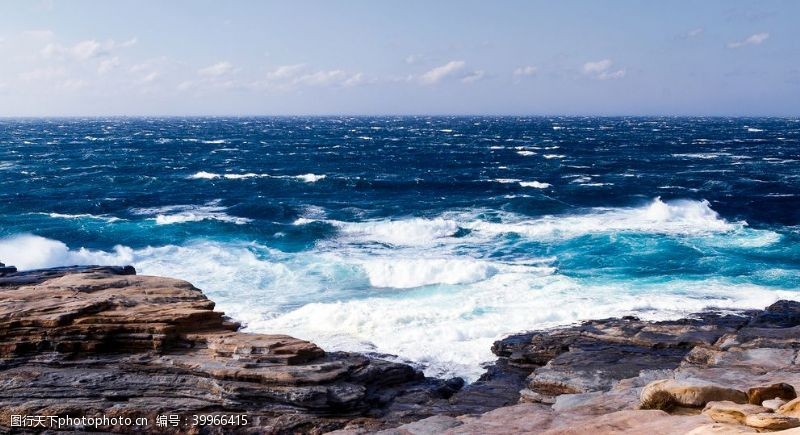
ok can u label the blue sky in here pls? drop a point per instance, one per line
(83, 57)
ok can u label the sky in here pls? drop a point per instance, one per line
(360, 57)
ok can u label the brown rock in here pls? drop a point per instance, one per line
(791, 408)
(692, 392)
(771, 421)
(730, 412)
(758, 395)
(100, 341)
(721, 429)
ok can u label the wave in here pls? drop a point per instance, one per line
(177, 214)
(27, 251)
(534, 184)
(451, 333)
(410, 273)
(407, 232)
(203, 175)
(325, 296)
(680, 217)
(81, 216)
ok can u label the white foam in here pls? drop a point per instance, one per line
(177, 214)
(534, 184)
(310, 178)
(82, 216)
(409, 273)
(451, 333)
(754, 130)
(449, 330)
(27, 251)
(241, 176)
(507, 180)
(658, 217)
(526, 153)
(407, 232)
(203, 175)
(554, 156)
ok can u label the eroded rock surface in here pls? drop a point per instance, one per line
(104, 341)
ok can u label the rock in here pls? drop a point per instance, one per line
(771, 421)
(773, 404)
(568, 402)
(529, 396)
(631, 422)
(784, 391)
(720, 429)
(114, 343)
(692, 392)
(781, 314)
(524, 418)
(428, 426)
(791, 408)
(730, 412)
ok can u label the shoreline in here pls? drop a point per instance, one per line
(110, 342)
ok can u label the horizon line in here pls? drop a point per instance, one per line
(398, 115)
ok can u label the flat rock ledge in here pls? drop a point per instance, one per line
(93, 341)
(103, 341)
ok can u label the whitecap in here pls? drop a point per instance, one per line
(534, 184)
(178, 214)
(81, 216)
(203, 175)
(410, 273)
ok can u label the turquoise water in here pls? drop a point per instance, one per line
(425, 238)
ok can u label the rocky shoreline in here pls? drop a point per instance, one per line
(91, 341)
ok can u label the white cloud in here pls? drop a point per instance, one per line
(473, 76)
(73, 84)
(528, 70)
(216, 70)
(151, 77)
(695, 32)
(287, 77)
(597, 67)
(413, 58)
(754, 39)
(43, 74)
(129, 43)
(601, 70)
(107, 65)
(84, 50)
(40, 34)
(439, 73)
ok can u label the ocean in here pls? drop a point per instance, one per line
(423, 238)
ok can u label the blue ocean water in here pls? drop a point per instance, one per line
(422, 237)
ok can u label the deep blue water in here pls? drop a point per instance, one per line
(422, 237)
